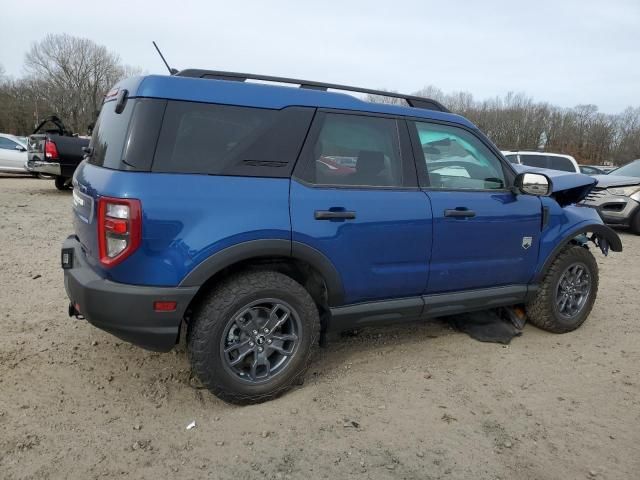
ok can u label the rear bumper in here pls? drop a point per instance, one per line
(123, 310)
(614, 209)
(39, 166)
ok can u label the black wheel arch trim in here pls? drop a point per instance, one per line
(598, 229)
(255, 249)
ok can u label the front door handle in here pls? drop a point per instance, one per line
(334, 214)
(460, 212)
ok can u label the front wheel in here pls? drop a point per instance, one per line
(252, 338)
(567, 293)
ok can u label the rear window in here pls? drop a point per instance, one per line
(108, 136)
(230, 140)
(539, 161)
(127, 140)
(561, 163)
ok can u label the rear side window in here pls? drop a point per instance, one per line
(539, 161)
(561, 163)
(512, 158)
(230, 140)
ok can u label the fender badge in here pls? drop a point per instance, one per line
(526, 242)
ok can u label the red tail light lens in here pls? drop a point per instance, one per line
(119, 229)
(50, 150)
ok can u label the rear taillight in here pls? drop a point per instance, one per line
(50, 150)
(119, 229)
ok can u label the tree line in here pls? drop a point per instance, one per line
(68, 76)
(65, 76)
(517, 122)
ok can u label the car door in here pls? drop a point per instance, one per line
(484, 235)
(11, 155)
(355, 199)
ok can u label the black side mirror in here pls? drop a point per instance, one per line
(533, 184)
(20, 148)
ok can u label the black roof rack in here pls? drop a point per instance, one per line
(412, 100)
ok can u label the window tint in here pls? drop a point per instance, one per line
(108, 136)
(7, 144)
(231, 140)
(561, 163)
(456, 159)
(356, 150)
(539, 161)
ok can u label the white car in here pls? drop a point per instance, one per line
(552, 161)
(13, 154)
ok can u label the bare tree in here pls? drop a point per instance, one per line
(73, 74)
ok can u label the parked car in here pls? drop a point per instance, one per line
(13, 154)
(55, 152)
(553, 161)
(617, 196)
(591, 170)
(210, 201)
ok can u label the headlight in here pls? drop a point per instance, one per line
(624, 191)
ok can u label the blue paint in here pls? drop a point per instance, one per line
(399, 245)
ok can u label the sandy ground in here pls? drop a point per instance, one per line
(413, 402)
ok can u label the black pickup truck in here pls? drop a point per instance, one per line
(55, 151)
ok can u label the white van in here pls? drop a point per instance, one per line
(553, 161)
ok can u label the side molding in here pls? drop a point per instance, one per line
(427, 306)
(268, 248)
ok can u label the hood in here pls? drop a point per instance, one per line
(605, 181)
(568, 187)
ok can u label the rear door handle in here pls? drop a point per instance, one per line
(334, 214)
(460, 212)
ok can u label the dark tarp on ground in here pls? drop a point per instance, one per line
(497, 326)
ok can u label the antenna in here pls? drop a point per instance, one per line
(172, 71)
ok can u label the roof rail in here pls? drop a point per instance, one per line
(412, 100)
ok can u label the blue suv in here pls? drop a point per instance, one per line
(260, 216)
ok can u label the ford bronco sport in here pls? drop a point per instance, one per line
(261, 215)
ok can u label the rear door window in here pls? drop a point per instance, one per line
(355, 150)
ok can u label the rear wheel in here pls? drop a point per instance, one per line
(62, 183)
(567, 293)
(252, 338)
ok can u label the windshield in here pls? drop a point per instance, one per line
(629, 170)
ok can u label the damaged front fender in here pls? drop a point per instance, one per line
(571, 224)
(601, 235)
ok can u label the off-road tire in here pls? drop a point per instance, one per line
(542, 311)
(61, 183)
(211, 317)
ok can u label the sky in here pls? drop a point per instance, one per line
(566, 52)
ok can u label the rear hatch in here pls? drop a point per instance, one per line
(121, 141)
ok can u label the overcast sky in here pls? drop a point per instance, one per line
(566, 52)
